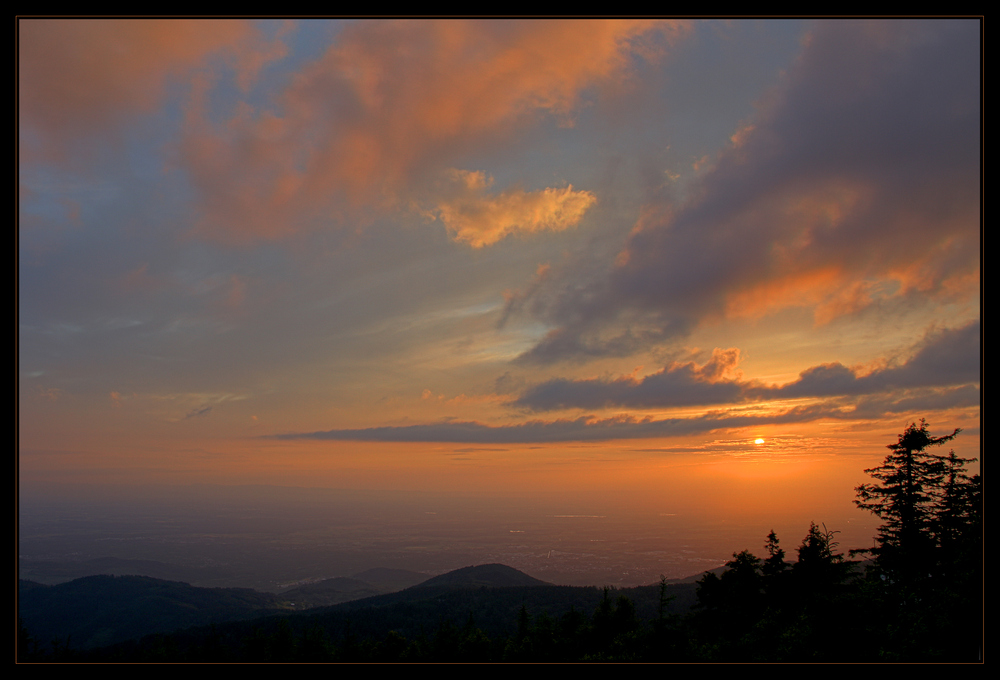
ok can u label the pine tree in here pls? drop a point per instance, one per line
(820, 570)
(909, 498)
(925, 590)
(775, 562)
(960, 516)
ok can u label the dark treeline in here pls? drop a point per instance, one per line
(917, 597)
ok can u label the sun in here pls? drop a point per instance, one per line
(758, 441)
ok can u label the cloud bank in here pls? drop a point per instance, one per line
(858, 183)
(392, 103)
(932, 379)
(942, 359)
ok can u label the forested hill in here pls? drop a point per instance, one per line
(491, 575)
(101, 610)
(104, 609)
(820, 608)
(483, 595)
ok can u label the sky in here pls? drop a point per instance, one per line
(673, 264)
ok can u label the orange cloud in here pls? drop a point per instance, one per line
(472, 216)
(721, 367)
(391, 103)
(823, 288)
(78, 77)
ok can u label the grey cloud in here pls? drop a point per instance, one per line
(948, 357)
(943, 358)
(679, 385)
(864, 162)
(817, 381)
(923, 401)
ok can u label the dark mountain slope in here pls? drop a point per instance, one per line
(101, 610)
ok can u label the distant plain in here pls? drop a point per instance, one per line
(275, 538)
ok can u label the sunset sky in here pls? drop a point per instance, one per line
(557, 258)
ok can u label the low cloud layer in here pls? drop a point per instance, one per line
(932, 379)
(943, 358)
(585, 428)
(680, 384)
(591, 428)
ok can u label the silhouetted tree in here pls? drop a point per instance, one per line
(739, 587)
(924, 594)
(817, 549)
(820, 571)
(776, 581)
(775, 562)
(908, 497)
(960, 517)
(664, 602)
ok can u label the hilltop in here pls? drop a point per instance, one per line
(484, 575)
